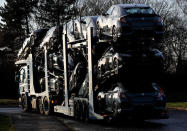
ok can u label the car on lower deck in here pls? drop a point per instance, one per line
(130, 21)
(139, 100)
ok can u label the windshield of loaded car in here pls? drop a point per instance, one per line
(138, 10)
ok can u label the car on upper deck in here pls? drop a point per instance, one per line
(77, 28)
(130, 21)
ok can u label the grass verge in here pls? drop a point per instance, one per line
(5, 123)
(177, 105)
(8, 102)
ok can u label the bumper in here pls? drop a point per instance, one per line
(140, 32)
(144, 112)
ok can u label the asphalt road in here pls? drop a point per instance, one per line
(33, 121)
(37, 122)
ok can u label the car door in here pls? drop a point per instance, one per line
(114, 17)
(106, 19)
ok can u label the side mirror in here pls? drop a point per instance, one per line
(83, 22)
(105, 14)
(17, 77)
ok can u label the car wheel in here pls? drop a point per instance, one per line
(32, 40)
(51, 43)
(114, 34)
(99, 72)
(102, 70)
(115, 65)
(98, 30)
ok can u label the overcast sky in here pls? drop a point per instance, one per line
(2, 2)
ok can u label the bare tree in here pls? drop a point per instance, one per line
(183, 5)
(174, 43)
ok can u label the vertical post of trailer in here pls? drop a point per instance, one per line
(90, 70)
(46, 75)
(30, 71)
(65, 69)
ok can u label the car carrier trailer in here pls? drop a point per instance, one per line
(110, 101)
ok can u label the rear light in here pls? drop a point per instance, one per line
(161, 92)
(123, 20)
(122, 95)
(159, 20)
(54, 101)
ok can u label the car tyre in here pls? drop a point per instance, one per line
(114, 34)
(116, 65)
(98, 31)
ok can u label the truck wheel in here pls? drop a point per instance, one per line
(75, 110)
(115, 110)
(24, 103)
(86, 111)
(46, 106)
(81, 110)
(40, 104)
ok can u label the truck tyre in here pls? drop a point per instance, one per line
(81, 107)
(115, 110)
(86, 111)
(78, 110)
(75, 110)
(24, 103)
(46, 106)
(40, 104)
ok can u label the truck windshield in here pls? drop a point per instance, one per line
(138, 10)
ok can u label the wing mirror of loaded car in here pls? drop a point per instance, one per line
(105, 14)
(17, 77)
(83, 22)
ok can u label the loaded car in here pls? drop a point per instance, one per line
(130, 21)
(77, 29)
(52, 36)
(112, 61)
(147, 101)
(82, 26)
(34, 40)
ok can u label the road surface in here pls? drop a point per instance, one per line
(37, 122)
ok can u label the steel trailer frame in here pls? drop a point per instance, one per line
(67, 110)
